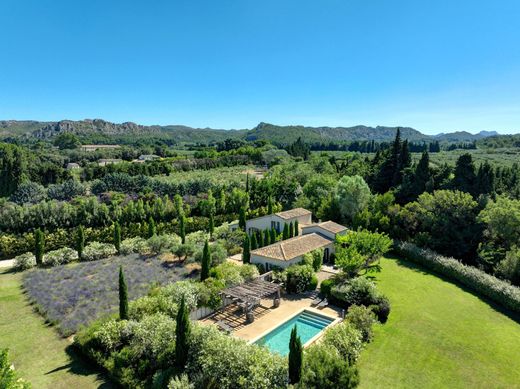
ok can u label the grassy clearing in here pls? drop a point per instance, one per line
(38, 353)
(439, 335)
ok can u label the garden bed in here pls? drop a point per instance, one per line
(75, 295)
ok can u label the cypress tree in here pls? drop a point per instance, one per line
(285, 234)
(206, 262)
(270, 205)
(211, 224)
(182, 228)
(260, 239)
(246, 250)
(151, 227)
(80, 241)
(296, 228)
(242, 218)
(254, 242)
(291, 229)
(267, 238)
(295, 357)
(422, 174)
(117, 236)
(39, 246)
(272, 234)
(247, 183)
(123, 296)
(182, 335)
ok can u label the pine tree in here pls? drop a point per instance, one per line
(485, 179)
(182, 228)
(254, 242)
(246, 250)
(206, 262)
(151, 227)
(296, 228)
(272, 235)
(242, 218)
(182, 335)
(291, 229)
(422, 174)
(465, 177)
(117, 236)
(39, 246)
(285, 234)
(211, 227)
(295, 357)
(80, 241)
(123, 296)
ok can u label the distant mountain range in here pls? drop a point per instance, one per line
(99, 128)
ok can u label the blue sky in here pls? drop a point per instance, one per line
(432, 65)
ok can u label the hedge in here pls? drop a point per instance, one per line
(501, 292)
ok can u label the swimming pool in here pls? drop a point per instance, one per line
(308, 324)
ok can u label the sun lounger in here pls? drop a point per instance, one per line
(316, 301)
(323, 304)
(224, 326)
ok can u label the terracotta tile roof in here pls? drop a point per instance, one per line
(286, 250)
(329, 226)
(296, 212)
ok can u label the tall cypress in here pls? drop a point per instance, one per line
(80, 241)
(151, 227)
(242, 218)
(269, 205)
(39, 246)
(296, 228)
(123, 296)
(291, 229)
(117, 236)
(182, 335)
(295, 357)
(267, 238)
(272, 234)
(246, 250)
(260, 239)
(285, 234)
(206, 262)
(247, 183)
(182, 228)
(254, 242)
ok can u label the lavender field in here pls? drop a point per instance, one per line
(74, 295)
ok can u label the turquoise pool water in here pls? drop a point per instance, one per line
(308, 324)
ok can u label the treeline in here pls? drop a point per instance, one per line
(373, 146)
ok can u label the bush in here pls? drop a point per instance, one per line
(96, 250)
(509, 268)
(346, 339)
(231, 274)
(299, 278)
(484, 284)
(356, 291)
(28, 192)
(313, 284)
(381, 309)
(8, 377)
(159, 244)
(135, 245)
(24, 261)
(325, 369)
(60, 256)
(363, 319)
(326, 286)
(66, 191)
(181, 382)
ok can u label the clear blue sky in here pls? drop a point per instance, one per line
(440, 65)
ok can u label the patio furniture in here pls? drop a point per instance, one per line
(223, 326)
(317, 300)
(323, 304)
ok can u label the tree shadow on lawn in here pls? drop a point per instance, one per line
(425, 271)
(79, 365)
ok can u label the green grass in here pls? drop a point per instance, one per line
(37, 352)
(439, 335)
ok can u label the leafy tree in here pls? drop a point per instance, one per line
(80, 241)
(151, 227)
(246, 250)
(299, 149)
(39, 246)
(285, 233)
(353, 195)
(206, 262)
(182, 335)
(67, 140)
(485, 181)
(117, 236)
(295, 357)
(509, 268)
(13, 168)
(360, 250)
(123, 296)
(28, 193)
(184, 250)
(242, 218)
(254, 242)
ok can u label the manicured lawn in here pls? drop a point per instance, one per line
(36, 350)
(439, 336)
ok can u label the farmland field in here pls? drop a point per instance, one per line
(77, 294)
(438, 335)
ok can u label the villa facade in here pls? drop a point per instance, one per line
(311, 236)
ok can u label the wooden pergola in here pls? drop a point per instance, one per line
(249, 294)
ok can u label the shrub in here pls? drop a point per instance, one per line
(218, 254)
(509, 268)
(231, 274)
(24, 261)
(356, 291)
(484, 284)
(299, 278)
(28, 192)
(8, 377)
(363, 319)
(96, 250)
(326, 286)
(60, 256)
(181, 382)
(345, 338)
(325, 369)
(381, 308)
(313, 284)
(159, 244)
(66, 191)
(136, 245)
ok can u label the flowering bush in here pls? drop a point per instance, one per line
(345, 338)
(362, 318)
(60, 256)
(482, 283)
(97, 250)
(24, 261)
